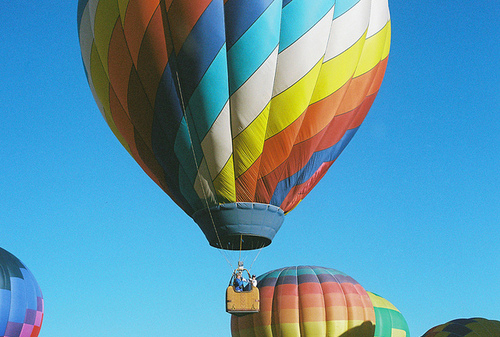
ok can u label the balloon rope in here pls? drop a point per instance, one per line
(205, 194)
(256, 256)
(241, 241)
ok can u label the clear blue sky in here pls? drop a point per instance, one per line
(410, 209)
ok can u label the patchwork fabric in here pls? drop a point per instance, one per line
(21, 300)
(465, 327)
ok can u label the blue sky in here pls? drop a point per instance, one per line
(410, 209)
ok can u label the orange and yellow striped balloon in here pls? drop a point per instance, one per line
(308, 301)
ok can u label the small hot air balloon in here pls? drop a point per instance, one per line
(308, 301)
(236, 109)
(389, 322)
(21, 301)
(466, 327)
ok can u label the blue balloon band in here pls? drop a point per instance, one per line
(241, 225)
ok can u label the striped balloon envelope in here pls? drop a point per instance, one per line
(235, 108)
(389, 322)
(308, 301)
(21, 300)
(466, 327)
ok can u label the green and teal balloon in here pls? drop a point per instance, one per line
(389, 322)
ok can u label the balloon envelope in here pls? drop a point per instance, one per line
(21, 301)
(389, 322)
(236, 109)
(308, 301)
(473, 327)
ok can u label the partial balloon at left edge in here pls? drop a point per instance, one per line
(21, 300)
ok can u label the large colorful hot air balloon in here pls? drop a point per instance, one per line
(465, 327)
(21, 301)
(308, 301)
(389, 322)
(235, 108)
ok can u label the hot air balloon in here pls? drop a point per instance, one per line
(389, 322)
(236, 109)
(21, 301)
(473, 327)
(308, 301)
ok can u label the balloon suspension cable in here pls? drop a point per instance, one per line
(256, 256)
(205, 193)
(181, 97)
(241, 242)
